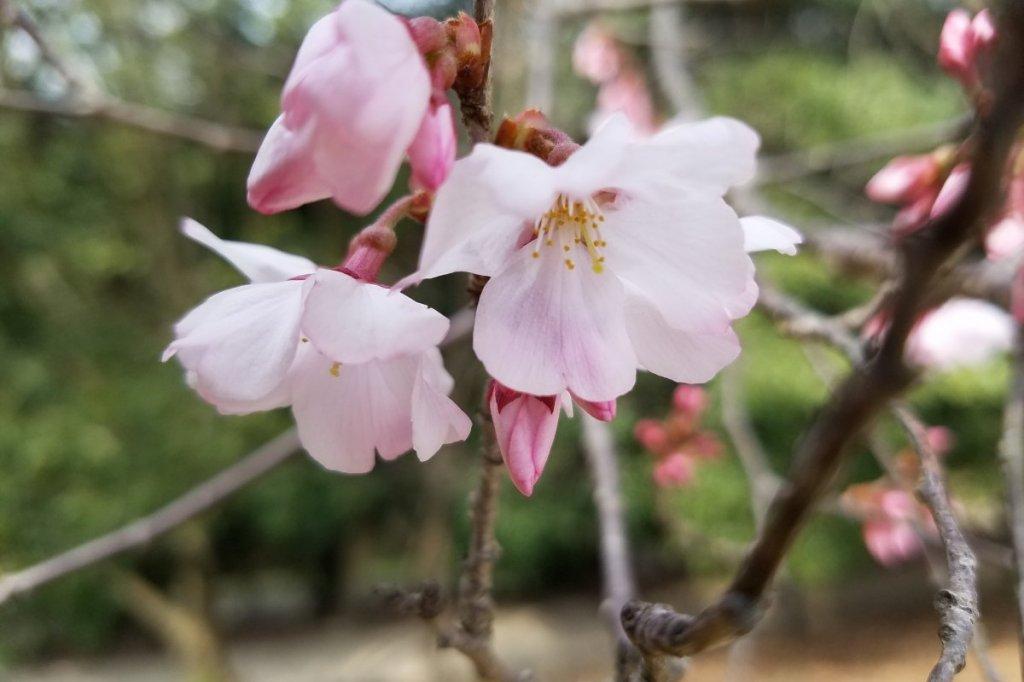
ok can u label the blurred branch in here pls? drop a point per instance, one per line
(143, 531)
(657, 629)
(1011, 453)
(568, 8)
(797, 164)
(86, 100)
(199, 499)
(619, 584)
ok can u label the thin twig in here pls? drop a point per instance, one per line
(1011, 453)
(659, 631)
(86, 100)
(145, 530)
(619, 584)
(199, 499)
(475, 102)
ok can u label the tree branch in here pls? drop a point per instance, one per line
(1011, 454)
(659, 631)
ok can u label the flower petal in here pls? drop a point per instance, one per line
(283, 175)
(541, 329)
(685, 356)
(345, 412)
(353, 322)
(472, 226)
(257, 262)
(763, 234)
(241, 342)
(687, 257)
(714, 154)
(594, 165)
(436, 419)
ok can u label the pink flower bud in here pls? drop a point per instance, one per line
(432, 152)
(962, 41)
(891, 542)
(690, 400)
(673, 471)
(952, 190)
(904, 179)
(705, 445)
(525, 427)
(428, 33)
(650, 434)
(602, 411)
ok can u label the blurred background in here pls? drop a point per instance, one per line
(277, 582)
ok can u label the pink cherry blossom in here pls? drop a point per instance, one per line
(624, 256)
(674, 471)
(961, 332)
(358, 365)
(596, 55)
(352, 107)
(525, 427)
(690, 400)
(890, 541)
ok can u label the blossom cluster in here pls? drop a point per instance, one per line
(678, 442)
(600, 259)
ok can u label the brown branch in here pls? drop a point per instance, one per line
(145, 530)
(1011, 454)
(658, 630)
(206, 495)
(958, 603)
(86, 100)
(617, 572)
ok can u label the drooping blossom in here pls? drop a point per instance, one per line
(359, 98)
(678, 442)
(358, 365)
(624, 256)
(963, 40)
(961, 332)
(525, 427)
(923, 186)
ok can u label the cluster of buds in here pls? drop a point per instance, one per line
(677, 442)
(457, 51)
(601, 58)
(965, 41)
(892, 521)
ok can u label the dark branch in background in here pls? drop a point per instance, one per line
(659, 631)
(958, 603)
(85, 100)
(1011, 452)
(797, 164)
(199, 499)
(616, 570)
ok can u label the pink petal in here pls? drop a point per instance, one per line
(351, 321)
(432, 152)
(436, 420)
(602, 411)
(542, 328)
(284, 175)
(257, 262)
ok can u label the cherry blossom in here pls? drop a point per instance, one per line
(678, 442)
(960, 332)
(357, 100)
(624, 256)
(962, 41)
(358, 365)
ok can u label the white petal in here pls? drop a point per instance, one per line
(594, 166)
(345, 412)
(436, 419)
(684, 356)
(241, 342)
(961, 332)
(714, 155)
(687, 257)
(764, 234)
(479, 212)
(541, 329)
(257, 262)
(352, 322)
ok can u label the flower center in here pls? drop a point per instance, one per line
(569, 224)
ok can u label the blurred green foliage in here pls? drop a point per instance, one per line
(94, 431)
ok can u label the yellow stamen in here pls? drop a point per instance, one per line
(571, 224)
(336, 369)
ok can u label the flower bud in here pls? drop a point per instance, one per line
(690, 400)
(650, 434)
(904, 179)
(530, 131)
(472, 43)
(673, 471)
(525, 428)
(432, 152)
(429, 34)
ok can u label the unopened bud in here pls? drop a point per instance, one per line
(531, 132)
(429, 34)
